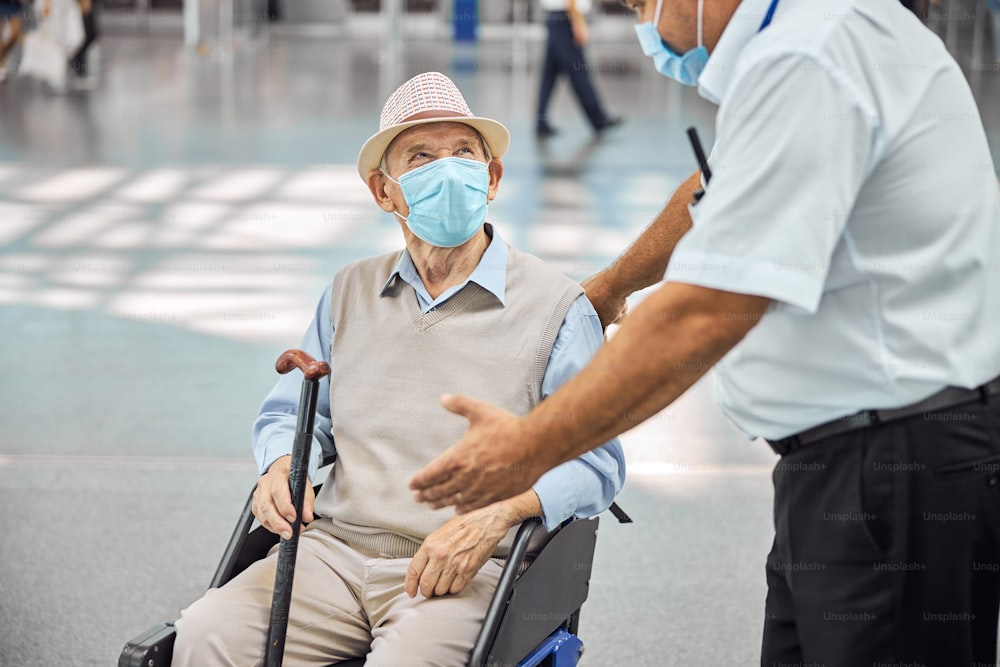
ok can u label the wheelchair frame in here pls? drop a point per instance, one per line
(534, 613)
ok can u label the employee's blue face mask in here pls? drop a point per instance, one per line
(685, 68)
(447, 200)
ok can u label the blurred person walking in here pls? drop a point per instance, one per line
(567, 35)
(81, 77)
(50, 48)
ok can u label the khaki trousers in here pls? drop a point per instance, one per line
(345, 604)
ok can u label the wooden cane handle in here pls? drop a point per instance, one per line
(312, 369)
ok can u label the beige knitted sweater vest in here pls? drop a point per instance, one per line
(389, 366)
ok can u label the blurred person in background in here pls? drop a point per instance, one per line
(49, 48)
(81, 75)
(567, 35)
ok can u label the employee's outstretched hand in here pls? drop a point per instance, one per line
(491, 462)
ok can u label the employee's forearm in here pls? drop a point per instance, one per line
(645, 261)
(672, 339)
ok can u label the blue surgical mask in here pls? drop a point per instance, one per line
(685, 68)
(447, 200)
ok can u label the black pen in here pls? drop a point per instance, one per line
(699, 153)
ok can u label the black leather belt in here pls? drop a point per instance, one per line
(949, 397)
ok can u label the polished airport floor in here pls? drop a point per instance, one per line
(164, 237)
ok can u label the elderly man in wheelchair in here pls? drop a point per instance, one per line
(378, 575)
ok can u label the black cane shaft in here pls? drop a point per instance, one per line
(281, 603)
(288, 549)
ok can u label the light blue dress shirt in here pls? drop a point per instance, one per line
(581, 487)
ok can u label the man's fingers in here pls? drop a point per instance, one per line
(284, 510)
(413, 572)
(474, 410)
(448, 473)
(441, 493)
(429, 577)
(469, 466)
(277, 525)
(459, 583)
(435, 476)
(467, 407)
(444, 583)
(282, 498)
(436, 480)
(466, 500)
(269, 517)
(272, 499)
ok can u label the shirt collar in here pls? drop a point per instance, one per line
(490, 273)
(742, 27)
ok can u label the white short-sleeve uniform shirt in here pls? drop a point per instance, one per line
(853, 185)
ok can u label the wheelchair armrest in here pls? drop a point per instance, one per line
(525, 609)
(153, 648)
(224, 572)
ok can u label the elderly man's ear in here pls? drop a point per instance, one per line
(496, 173)
(376, 183)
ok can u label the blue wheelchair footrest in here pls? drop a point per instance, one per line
(564, 647)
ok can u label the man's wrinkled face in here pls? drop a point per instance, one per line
(422, 144)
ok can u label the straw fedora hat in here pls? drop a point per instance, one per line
(430, 97)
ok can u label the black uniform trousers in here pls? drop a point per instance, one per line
(887, 545)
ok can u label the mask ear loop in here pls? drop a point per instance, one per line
(386, 174)
(656, 16)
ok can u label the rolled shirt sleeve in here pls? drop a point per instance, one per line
(586, 485)
(274, 428)
(786, 174)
